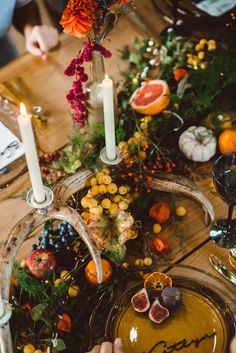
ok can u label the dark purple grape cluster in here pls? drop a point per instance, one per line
(76, 96)
(60, 238)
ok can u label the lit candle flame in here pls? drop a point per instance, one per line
(23, 109)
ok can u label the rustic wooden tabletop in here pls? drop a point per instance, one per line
(48, 85)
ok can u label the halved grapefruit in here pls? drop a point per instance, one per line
(151, 98)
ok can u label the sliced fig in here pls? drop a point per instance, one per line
(158, 313)
(140, 301)
(171, 297)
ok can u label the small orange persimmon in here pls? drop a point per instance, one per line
(227, 141)
(161, 245)
(91, 272)
(160, 211)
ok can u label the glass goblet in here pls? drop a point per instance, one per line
(223, 231)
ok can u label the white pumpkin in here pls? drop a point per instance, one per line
(198, 143)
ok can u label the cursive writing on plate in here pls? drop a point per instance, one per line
(180, 345)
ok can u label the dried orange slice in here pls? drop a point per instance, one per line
(156, 281)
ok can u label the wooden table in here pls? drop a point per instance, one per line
(189, 239)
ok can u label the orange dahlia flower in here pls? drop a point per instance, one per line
(78, 17)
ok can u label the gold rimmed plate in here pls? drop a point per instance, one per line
(204, 322)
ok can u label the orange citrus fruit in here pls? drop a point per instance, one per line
(156, 281)
(151, 98)
(227, 141)
(91, 272)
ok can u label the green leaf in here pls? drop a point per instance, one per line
(57, 343)
(137, 44)
(125, 52)
(60, 345)
(70, 166)
(168, 60)
(37, 312)
(120, 134)
(134, 58)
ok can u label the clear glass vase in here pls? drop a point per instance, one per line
(94, 90)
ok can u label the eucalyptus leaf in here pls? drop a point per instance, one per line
(37, 312)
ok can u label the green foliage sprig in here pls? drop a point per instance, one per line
(204, 90)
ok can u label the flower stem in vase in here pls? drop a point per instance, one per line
(94, 104)
(94, 89)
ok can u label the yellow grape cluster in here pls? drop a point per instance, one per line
(104, 194)
(201, 47)
(139, 140)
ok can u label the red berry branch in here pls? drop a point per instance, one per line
(76, 95)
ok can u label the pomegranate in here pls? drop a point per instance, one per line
(158, 313)
(140, 301)
(41, 262)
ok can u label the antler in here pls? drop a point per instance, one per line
(177, 184)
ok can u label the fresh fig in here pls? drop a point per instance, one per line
(171, 297)
(158, 313)
(140, 301)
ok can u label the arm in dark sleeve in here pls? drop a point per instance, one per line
(26, 17)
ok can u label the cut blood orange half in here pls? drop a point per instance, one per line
(151, 98)
(156, 281)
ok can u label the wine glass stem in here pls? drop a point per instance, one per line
(230, 214)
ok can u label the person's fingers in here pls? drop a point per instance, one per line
(118, 345)
(96, 349)
(106, 347)
(47, 38)
(233, 346)
(41, 39)
(44, 56)
(31, 45)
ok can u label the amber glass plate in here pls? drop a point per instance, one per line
(204, 323)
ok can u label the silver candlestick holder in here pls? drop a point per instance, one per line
(40, 206)
(106, 160)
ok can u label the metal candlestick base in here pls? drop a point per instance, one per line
(104, 159)
(42, 205)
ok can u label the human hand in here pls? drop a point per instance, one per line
(233, 346)
(108, 347)
(40, 39)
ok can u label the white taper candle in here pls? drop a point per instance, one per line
(27, 135)
(109, 118)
